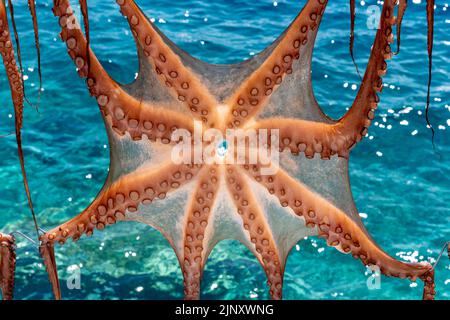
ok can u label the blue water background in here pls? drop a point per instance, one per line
(400, 185)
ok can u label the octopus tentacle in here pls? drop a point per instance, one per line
(16, 35)
(47, 252)
(17, 41)
(18, 47)
(336, 226)
(72, 35)
(85, 13)
(139, 119)
(125, 194)
(352, 34)
(7, 265)
(429, 285)
(430, 31)
(401, 11)
(252, 95)
(258, 229)
(309, 137)
(127, 114)
(182, 82)
(32, 7)
(428, 278)
(197, 218)
(356, 121)
(16, 86)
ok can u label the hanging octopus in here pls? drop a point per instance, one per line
(265, 205)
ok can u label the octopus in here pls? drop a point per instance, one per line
(267, 204)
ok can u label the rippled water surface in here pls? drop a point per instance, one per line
(400, 185)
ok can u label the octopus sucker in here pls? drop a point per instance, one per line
(203, 198)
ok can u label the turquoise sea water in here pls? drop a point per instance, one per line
(400, 185)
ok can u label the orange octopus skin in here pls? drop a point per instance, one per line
(7, 265)
(47, 252)
(14, 76)
(197, 205)
(32, 7)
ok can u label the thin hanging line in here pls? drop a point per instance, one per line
(23, 235)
